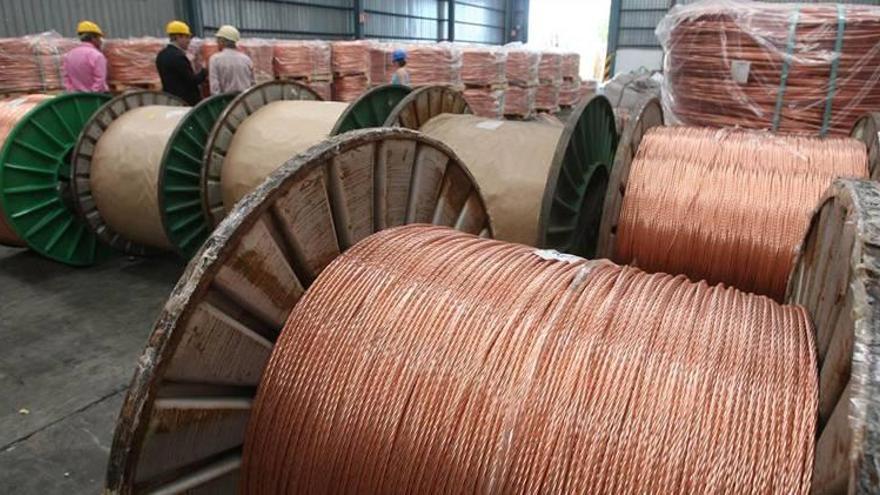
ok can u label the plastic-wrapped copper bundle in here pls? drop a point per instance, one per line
(302, 59)
(727, 206)
(547, 97)
(33, 63)
(438, 63)
(350, 57)
(788, 67)
(348, 88)
(519, 101)
(570, 92)
(323, 88)
(429, 361)
(522, 65)
(260, 52)
(11, 112)
(483, 66)
(550, 67)
(132, 61)
(570, 65)
(485, 102)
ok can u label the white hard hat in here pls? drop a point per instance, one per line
(228, 32)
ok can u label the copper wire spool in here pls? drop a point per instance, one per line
(725, 206)
(428, 361)
(11, 112)
(726, 65)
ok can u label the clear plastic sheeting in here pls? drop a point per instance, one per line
(438, 63)
(350, 57)
(519, 102)
(550, 67)
(483, 66)
(33, 63)
(522, 65)
(348, 88)
(308, 60)
(132, 61)
(790, 67)
(570, 65)
(547, 97)
(627, 91)
(485, 101)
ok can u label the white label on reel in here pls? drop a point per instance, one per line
(739, 70)
(490, 125)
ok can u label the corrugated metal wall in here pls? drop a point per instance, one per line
(477, 21)
(117, 17)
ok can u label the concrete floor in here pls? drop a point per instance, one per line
(69, 338)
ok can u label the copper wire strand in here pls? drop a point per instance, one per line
(727, 206)
(424, 360)
(706, 40)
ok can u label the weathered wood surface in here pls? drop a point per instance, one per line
(867, 130)
(182, 423)
(425, 103)
(837, 279)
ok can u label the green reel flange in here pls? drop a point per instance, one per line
(371, 108)
(574, 196)
(180, 193)
(35, 178)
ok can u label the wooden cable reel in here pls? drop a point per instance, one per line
(270, 122)
(543, 181)
(182, 423)
(837, 279)
(867, 130)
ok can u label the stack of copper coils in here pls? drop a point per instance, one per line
(351, 69)
(569, 90)
(427, 64)
(32, 63)
(521, 70)
(727, 206)
(550, 81)
(424, 360)
(484, 78)
(132, 62)
(260, 52)
(789, 67)
(305, 61)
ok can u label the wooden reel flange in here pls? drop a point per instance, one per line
(867, 130)
(837, 279)
(183, 421)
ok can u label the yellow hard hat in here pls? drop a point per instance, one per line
(228, 32)
(88, 27)
(178, 27)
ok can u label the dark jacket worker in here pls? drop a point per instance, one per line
(174, 67)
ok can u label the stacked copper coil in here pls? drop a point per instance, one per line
(570, 65)
(350, 87)
(787, 67)
(427, 64)
(483, 66)
(310, 60)
(323, 88)
(11, 112)
(519, 101)
(350, 57)
(547, 97)
(727, 206)
(549, 82)
(33, 63)
(261, 53)
(485, 101)
(424, 360)
(569, 89)
(521, 67)
(550, 67)
(132, 61)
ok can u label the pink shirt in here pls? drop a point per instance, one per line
(85, 69)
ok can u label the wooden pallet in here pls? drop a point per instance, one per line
(183, 422)
(837, 279)
(120, 87)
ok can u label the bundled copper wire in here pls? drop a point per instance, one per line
(323, 88)
(302, 59)
(11, 112)
(483, 66)
(570, 92)
(547, 97)
(425, 360)
(33, 63)
(132, 61)
(570, 65)
(550, 67)
(519, 101)
(788, 67)
(521, 67)
(350, 57)
(348, 88)
(727, 206)
(260, 52)
(485, 102)
(427, 64)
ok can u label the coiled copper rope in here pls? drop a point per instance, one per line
(727, 205)
(424, 360)
(11, 112)
(760, 65)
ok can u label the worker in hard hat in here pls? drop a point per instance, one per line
(85, 67)
(175, 69)
(229, 70)
(401, 73)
